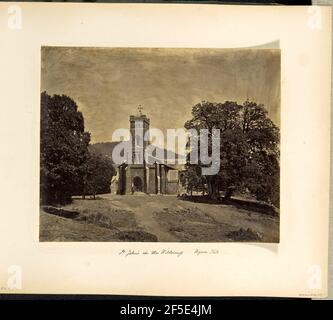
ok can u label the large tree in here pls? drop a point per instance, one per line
(249, 148)
(98, 172)
(192, 180)
(63, 148)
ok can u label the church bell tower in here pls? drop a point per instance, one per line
(139, 126)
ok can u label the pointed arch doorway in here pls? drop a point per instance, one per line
(137, 184)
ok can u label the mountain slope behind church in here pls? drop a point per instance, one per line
(106, 148)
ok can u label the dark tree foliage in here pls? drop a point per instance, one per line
(193, 180)
(98, 172)
(63, 148)
(249, 150)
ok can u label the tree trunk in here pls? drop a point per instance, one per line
(213, 189)
(84, 187)
(215, 193)
(209, 189)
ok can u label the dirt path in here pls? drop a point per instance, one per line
(143, 207)
(226, 218)
(167, 217)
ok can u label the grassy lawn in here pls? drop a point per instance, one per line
(54, 228)
(157, 218)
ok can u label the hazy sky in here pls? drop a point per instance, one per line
(109, 84)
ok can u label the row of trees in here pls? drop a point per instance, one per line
(67, 166)
(249, 151)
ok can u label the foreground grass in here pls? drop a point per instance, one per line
(157, 218)
(54, 228)
(94, 220)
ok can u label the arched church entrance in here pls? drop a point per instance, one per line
(137, 184)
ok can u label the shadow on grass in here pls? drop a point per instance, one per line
(238, 203)
(69, 214)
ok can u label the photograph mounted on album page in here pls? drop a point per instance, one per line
(181, 149)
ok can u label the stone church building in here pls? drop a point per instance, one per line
(156, 178)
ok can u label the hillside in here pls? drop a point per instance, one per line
(106, 148)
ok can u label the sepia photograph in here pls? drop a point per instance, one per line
(159, 145)
(165, 151)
